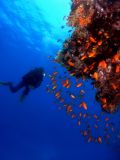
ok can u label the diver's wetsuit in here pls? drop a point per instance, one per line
(32, 79)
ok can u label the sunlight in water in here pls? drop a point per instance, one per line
(54, 11)
(38, 22)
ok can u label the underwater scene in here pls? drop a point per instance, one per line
(60, 80)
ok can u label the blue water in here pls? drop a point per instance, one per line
(35, 129)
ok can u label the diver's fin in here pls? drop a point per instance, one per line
(4, 83)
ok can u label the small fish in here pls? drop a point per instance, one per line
(92, 39)
(73, 116)
(66, 83)
(80, 114)
(54, 87)
(72, 96)
(102, 64)
(92, 54)
(113, 86)
(48, 89)
(84, 105)
(57, 95)
(78, 123)
(99, 43)
(68, 109)
(95, 116)
(103, 100)
(54, 81)
(96, 126)
(70, 31)
(84, 115)
(106, 119)
(59, 40)
(99, 140)
(100, 32)
(62, 100)
(89, 139)
(84, 133)
(117, 70)
(52, 78)
(85, 69)
(95, 75)
(82, 92)
(71, 63)
(83, 57)
(62, 27)
(49, 57)
(54, 73)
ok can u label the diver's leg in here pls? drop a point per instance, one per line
(14, 89)
(25, 93)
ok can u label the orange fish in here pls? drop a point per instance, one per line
(106, 119)
(117, 70)
(113, 86)
(78, 123)
(84, 105)
(68, 86)
(72, 115)
(100, 32)
(92, 39)
(52, 78)
(80, 114)
(115, 58)
(95, 116)
(92, 54)
(92, 66)
(57, 95)
(83, 57)
(89, 139)
(54, 73)
(87, 45)
(66, 83)
(103, 64)
(106, 35)
(79, 85)
(99, 43)
(84, 133)
(103, 100)
(54, 87)
(99, 140)
(68, 109)
(95, 75)
(107, 125)
(71, 63)
(72, 96)
(85, 69)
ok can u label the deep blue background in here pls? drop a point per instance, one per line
(35, 129)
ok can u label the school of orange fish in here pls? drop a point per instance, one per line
(94, 127)
(91, 53)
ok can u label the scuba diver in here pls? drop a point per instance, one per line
(29, 81)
